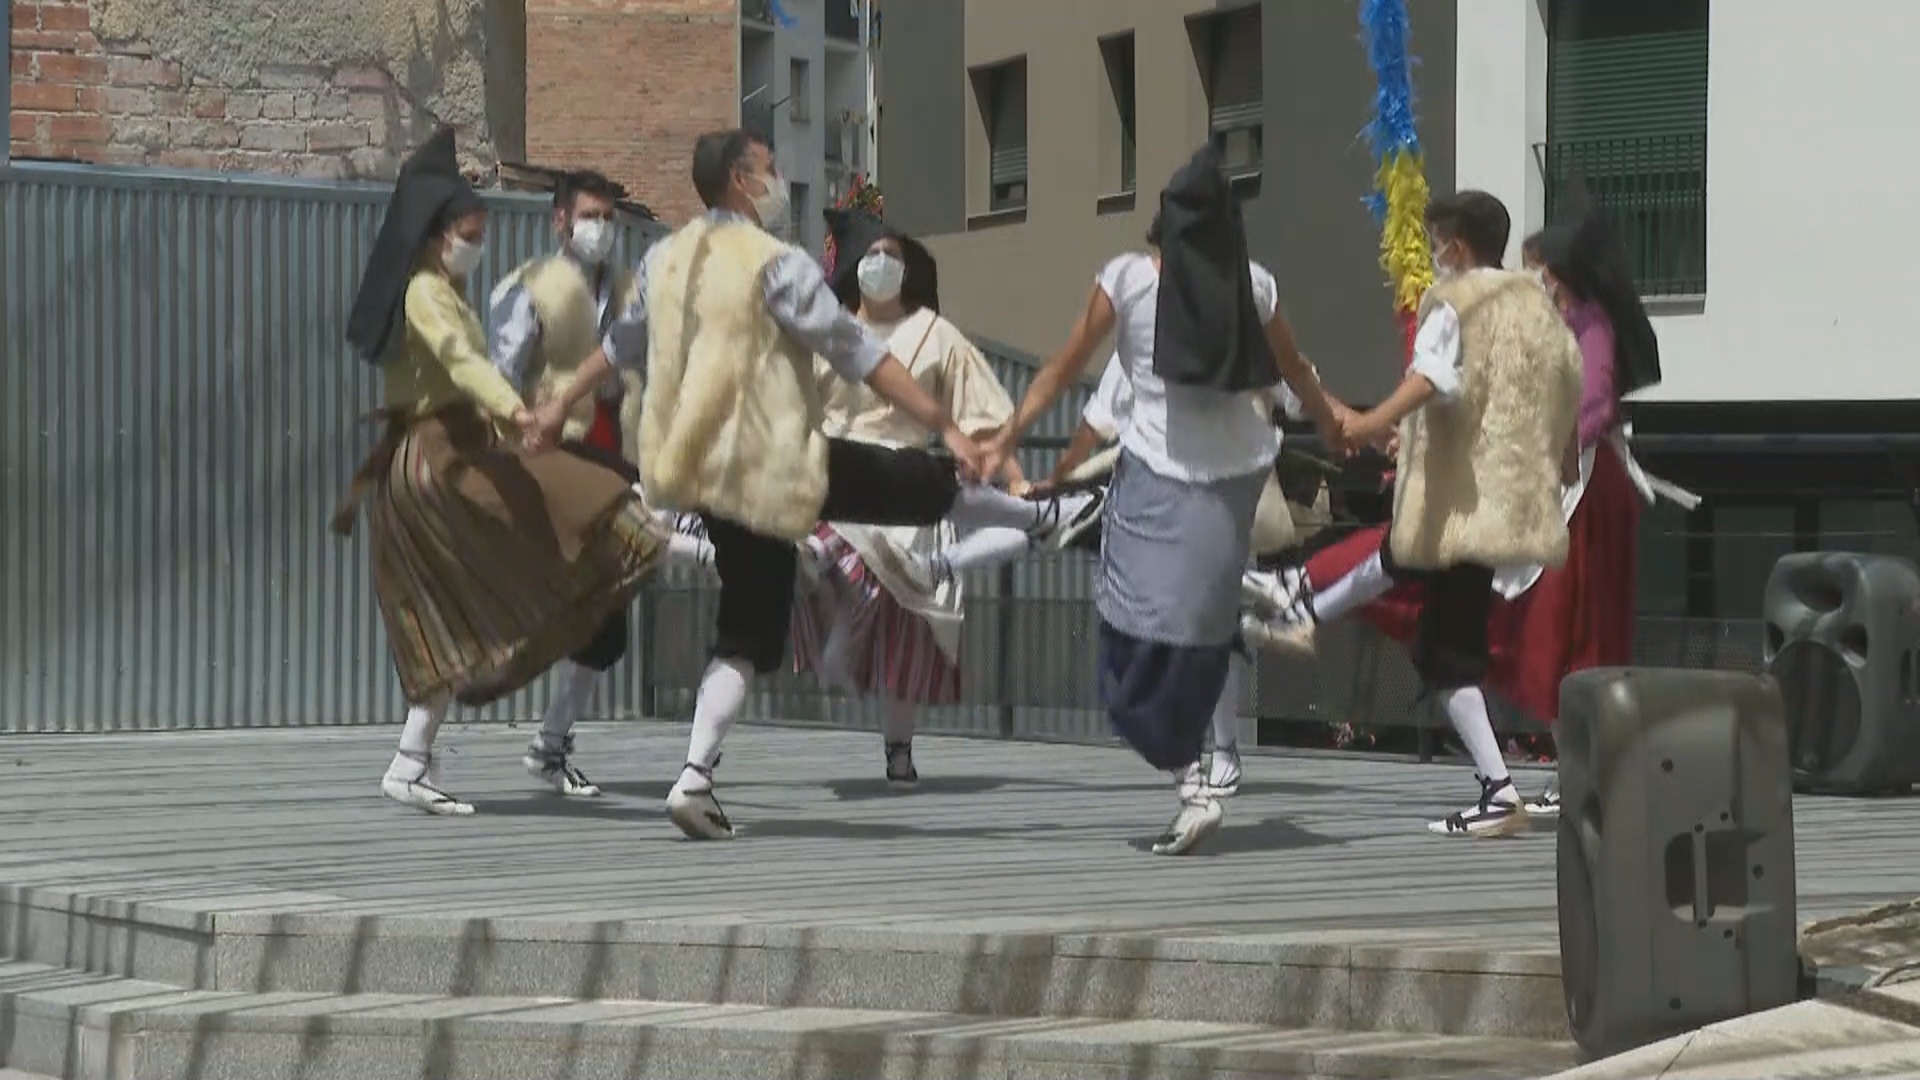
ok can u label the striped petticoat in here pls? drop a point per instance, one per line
(891, 652)
(490, 566)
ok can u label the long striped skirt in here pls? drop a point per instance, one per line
(891, 652)
(490, 566)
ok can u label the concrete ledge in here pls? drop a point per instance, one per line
(230, 940)
(1868, 1034)
(93, 1028)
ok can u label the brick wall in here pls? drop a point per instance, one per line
(80, 97)
(625, 86)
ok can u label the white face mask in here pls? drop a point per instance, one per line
(881, 275)
(771, 205)
(592, 240)
(462, 258)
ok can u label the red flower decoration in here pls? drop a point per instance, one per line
(860, 195)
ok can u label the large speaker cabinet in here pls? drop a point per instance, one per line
(1843, 641)
(1676, 887)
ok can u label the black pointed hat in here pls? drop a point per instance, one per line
(429, 185)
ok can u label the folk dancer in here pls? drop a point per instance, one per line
(1273, 532)
(726, 324)
(546, 318)
(491, 562)
(887, 624)
(1487, 436)
(1198, 330)
(1549, 622)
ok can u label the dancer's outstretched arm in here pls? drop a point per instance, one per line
(1061, 370)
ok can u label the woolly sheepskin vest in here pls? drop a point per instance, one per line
(731, 418)
(569, 328)
(1479, 478)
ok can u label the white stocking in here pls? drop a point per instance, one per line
(416, 739)
(897, 723)
(1467, 708)
(723, 695)
(1361, 586)
(1226, 711)
(569, 701)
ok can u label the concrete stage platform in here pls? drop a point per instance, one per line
(245, 905)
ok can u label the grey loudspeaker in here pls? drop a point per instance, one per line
(1676, 887)
(1843, 641)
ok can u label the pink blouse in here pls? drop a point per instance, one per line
(1599, 406)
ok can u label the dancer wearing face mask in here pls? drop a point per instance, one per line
(491, 562)
(1486, 437)
(727, 323)
(887, 623)
(548, 317)
(1547, 622)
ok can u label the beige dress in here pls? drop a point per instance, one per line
(897, 639)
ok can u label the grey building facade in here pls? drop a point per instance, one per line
(1026, 150)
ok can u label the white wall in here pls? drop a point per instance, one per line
(1811, 158)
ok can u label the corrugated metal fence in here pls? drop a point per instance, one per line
(178, 414)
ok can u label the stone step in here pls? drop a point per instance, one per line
(94, 1027)
(1361, 980)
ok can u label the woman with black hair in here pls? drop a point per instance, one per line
(884, 621)
(491, 560)
(1580, 615)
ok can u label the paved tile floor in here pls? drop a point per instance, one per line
(1002, 835)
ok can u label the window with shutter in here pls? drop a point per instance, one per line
(1005, 108)
(1627, 117)
(1228, 44)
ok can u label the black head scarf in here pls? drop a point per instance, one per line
(429, 192)
(1590, 261)
(854, 232)
(1208, 331)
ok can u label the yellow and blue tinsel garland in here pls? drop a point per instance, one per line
(1400, 193)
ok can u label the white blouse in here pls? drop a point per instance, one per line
(1185, 433)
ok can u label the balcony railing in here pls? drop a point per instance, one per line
(1654, 189)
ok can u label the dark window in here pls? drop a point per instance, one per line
(1117, 52)
(1227, 46)
(1001, 91)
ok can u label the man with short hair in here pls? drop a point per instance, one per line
(1486, 426)
(547, 319)
(726, 323)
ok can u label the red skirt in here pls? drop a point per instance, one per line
(1577, 616)
(605, 432)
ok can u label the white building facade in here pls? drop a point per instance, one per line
(1757, 153)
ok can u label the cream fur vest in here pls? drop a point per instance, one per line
(1479, 478)
(563, 300)
(731, 420)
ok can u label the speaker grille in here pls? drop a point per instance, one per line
(1822, 702)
